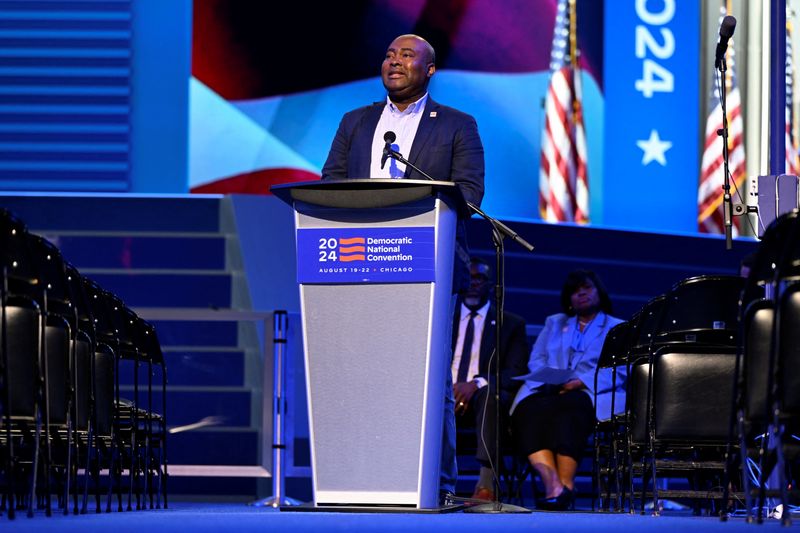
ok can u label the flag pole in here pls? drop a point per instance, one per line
(573, 55)
(580, 207)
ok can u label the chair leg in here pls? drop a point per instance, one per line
(780, 465)
(615, 454)
(656, 510)
(8, 496)
(115, 475)
(746, 486)
(68, 470)
(87, 469)
(132, 464)
(47, 470)
(148, 492)
(35, 464)
(762, 476)
(597, 498)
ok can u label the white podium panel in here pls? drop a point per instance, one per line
(377, 355)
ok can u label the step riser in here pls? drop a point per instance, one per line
(123, 213)
(196, 369)
(160, 253)
(168, 290)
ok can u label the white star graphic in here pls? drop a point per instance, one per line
(654, 149)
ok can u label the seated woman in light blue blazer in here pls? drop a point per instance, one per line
(553, 413)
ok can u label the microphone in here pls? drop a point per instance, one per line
(389, 137)
(725, 33)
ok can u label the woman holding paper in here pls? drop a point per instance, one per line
(552, 414)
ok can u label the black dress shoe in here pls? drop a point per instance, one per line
(563, 502)
(446, 498)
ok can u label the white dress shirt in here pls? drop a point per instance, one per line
(404, 124)
(474, 359)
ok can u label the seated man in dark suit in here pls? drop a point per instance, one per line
(474, 367)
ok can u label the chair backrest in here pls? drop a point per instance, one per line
(788, 264)
(124, 323)
(775, 253)
(693, 394)
(60, 322)
(85, 341)
(649, 319)
(773, 276)
(100, 312)
(789, 350)
(702, 309)
(615, 345)
(22, 348)
(637, 400)
(57, 361)
(103, 389)
(147, 341)
(82, 379)
(52, 274)
(16, 262)
(79, 299)
(757, 322)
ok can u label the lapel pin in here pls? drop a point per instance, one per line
(433, 114)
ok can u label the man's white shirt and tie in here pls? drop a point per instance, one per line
(404, 124)
(466, 364)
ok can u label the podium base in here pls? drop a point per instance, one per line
(277, 503)
(497, 508)
(310, 508)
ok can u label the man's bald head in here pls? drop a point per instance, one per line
(431, 58)
(407, 68)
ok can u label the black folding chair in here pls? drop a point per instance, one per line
(693, 351)
(156, 423)
(609, 434)
(22, 333)
(58, 361)
(103, 449)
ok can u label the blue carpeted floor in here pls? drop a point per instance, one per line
(196, 517)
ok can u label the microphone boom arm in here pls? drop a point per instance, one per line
(499, 226)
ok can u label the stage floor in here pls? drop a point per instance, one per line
(197, 517)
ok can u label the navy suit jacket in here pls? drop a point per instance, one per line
(447, 146)
(514, 343)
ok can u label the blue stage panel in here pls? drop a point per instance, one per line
(116, 213)
(169, 290)
(196, 369)
(135, 252)
(214, 447)
(36, 43)
(218, 369)
(197, 333)
(231, 408)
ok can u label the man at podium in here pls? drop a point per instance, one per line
(440, 140)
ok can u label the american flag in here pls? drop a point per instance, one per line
(710, 193)
(563, 175)
(792, 161)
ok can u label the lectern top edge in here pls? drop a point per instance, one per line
(368, 193)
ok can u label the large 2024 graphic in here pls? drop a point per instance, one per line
(333, 250)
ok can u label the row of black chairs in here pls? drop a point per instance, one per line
(712, 391)
(767, 393)
(676, 357)
(65, 428)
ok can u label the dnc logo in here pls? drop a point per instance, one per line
(344, 250)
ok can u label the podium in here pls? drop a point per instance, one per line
(375, 265)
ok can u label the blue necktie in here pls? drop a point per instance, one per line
(466, 349)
